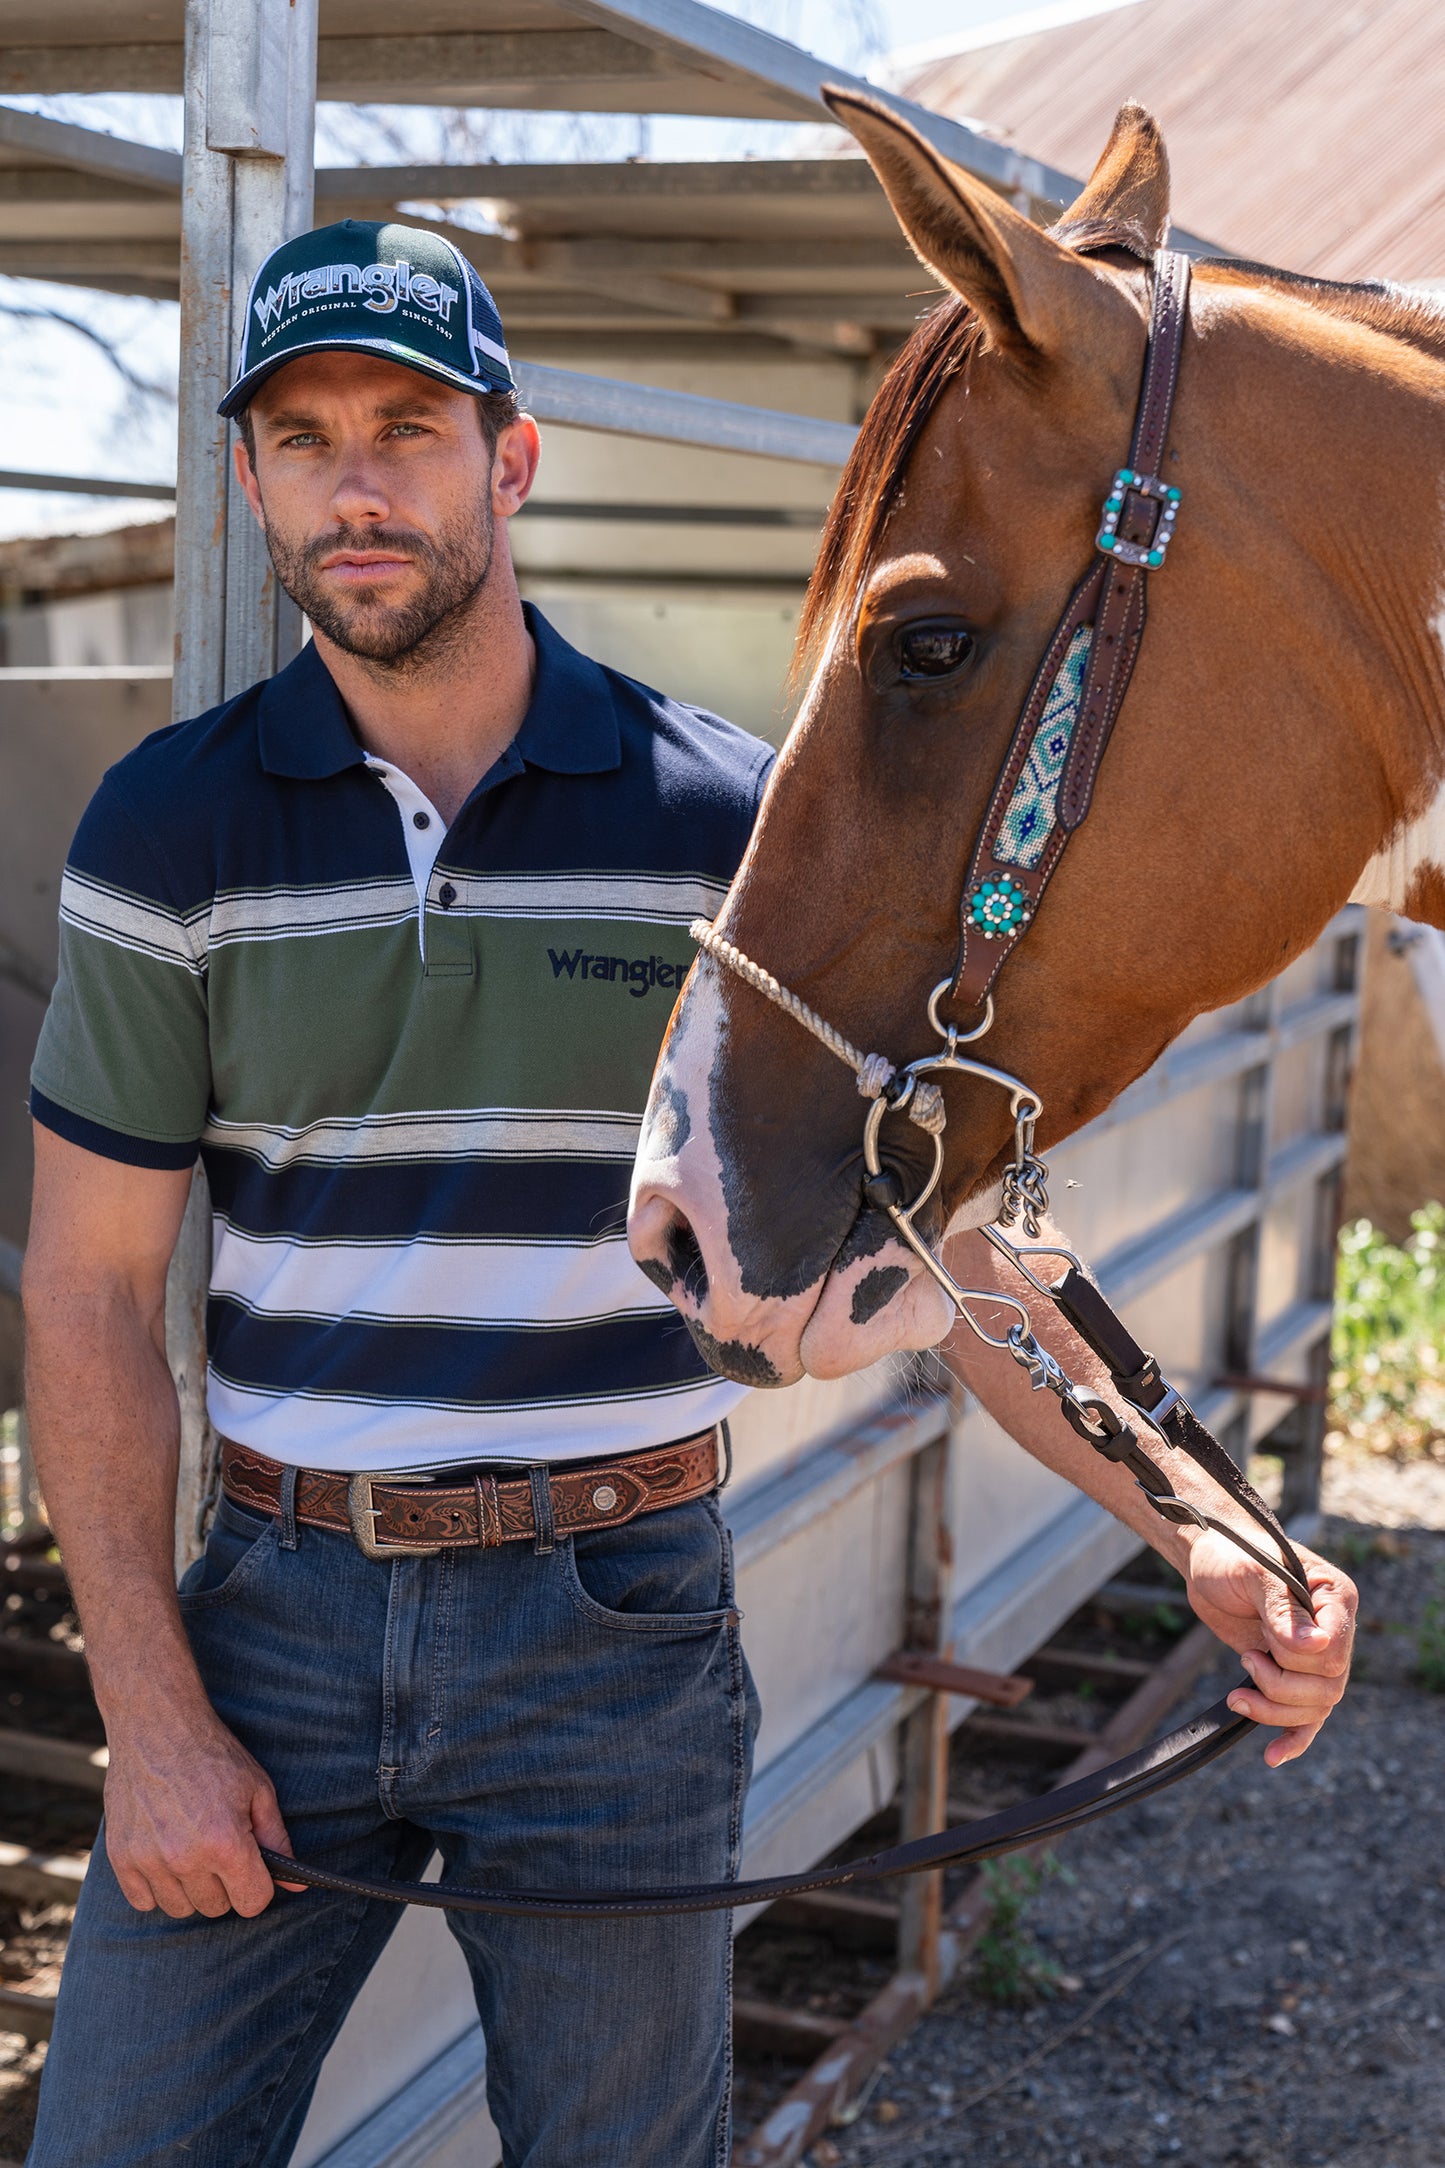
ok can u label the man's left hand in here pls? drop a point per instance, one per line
(1298, 1666)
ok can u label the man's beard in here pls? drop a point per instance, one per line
(359, 622)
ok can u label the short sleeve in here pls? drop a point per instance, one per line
(123, 1064)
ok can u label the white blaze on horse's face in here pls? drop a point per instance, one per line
(871, 1300)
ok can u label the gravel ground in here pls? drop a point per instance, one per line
(1254, 1966)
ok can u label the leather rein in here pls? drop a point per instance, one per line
(1012, 863)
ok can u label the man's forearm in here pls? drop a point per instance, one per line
(106, 1429)
(1035, 1421)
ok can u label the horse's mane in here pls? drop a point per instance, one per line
(873, 478)
(940, 349)
(1410, 313)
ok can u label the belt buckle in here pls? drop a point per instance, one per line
(362, 1511)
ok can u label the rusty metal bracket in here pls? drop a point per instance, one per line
(914, 1667)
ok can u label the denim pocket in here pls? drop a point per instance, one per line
(665, 1573)
(239, 1544)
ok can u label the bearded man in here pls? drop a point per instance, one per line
(390, 940)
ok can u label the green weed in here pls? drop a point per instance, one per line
(1388, 1345)
(1430, 1643)
(1008, 1965)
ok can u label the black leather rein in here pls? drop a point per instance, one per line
(1137, 1776)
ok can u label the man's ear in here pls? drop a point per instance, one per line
(1031, 293)
(1127, 194)
(246, 476)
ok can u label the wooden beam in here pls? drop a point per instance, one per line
(923, 1734)
(27, 69)
(31, 1878)
(32, 2016)
(73, 262)
(772, 2028)
(590, 181)
(43, 1663)
(566, 68)
(785, 2134)
(61, 188)
(87, 151)
(53, 1761)
(854, 1923)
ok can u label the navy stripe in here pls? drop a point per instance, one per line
(458, 1366)
(109, 1143)
(570, 1200)
(680, 800)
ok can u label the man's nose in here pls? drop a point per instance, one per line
(358, 496)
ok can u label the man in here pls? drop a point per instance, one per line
(391, 940)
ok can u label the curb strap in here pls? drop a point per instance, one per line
(1137, 1776)
(1137, 523)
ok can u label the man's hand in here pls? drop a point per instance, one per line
(184, 1813)
(1299, 1667)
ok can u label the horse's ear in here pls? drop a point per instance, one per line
(1027, 288)
(1127, 194)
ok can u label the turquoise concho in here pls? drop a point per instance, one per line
(998, 907)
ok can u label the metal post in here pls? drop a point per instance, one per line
(250, 98)
(924, 1741)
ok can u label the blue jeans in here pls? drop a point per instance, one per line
(582, 1717)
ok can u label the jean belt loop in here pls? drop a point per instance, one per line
(725, 1433)
(542, 1510)
(290, 1540)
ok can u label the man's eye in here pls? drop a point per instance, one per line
(933, 651)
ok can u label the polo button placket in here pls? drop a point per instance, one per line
(446, 951)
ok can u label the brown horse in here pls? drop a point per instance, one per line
(1281, 747)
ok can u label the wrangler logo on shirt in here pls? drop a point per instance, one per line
(638, 973)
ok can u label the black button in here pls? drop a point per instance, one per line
(446, 895)
(421, 820)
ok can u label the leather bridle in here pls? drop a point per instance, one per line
(1008, 874)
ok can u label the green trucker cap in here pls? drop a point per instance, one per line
(397, 291)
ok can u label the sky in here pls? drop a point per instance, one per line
(67, 410)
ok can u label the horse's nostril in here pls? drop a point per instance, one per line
(684, 1254)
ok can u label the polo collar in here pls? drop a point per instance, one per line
(302, 724)
(571, 723)
(570, 726)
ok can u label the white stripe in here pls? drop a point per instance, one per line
(429, 1281)
(657, 899)
(491, 348)
(650, 899)
(350, 1435)
(492, 1133)
(147, 929)
(270, 914)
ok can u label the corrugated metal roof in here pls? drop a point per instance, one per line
(1306, 133)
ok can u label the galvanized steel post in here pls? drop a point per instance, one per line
(247, 177)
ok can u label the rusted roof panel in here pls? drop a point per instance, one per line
(1306, 133)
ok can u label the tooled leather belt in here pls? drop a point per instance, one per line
(396, 1516)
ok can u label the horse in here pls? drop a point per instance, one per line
(1279, 751)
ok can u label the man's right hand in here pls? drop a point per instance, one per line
(184, 1813)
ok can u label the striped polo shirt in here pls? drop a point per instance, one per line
(413, 1059)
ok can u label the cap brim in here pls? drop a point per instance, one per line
(245, 387)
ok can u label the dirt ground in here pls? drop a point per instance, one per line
(1253, 1967)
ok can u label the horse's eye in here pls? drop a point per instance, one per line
(933, 651)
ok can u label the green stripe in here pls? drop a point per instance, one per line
(354, 1027)
(124, 1041)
